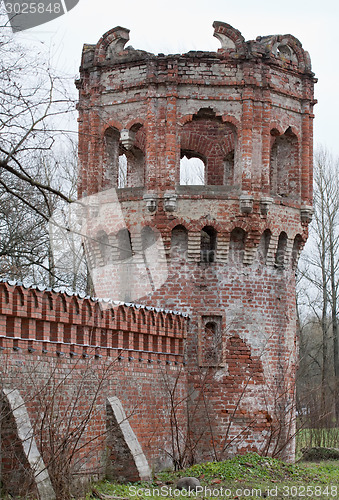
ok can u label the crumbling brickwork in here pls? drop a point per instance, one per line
(233, 240)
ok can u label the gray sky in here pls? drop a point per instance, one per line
(178, 26)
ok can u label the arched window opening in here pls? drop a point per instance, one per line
(297, 246)
(124, 244)
(122, 171)
(229, 169)
(124, 158)
(111, 160)
(192, 171)
(237, 245)
(284, 171)
(208, 137)
(135, 168)
(264, 245)
(136, 158)
(208, 244)
(179, 242)
(148, 237)
(104, 248)
(131, 168)
(281, 250)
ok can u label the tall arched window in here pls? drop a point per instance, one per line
(208, 244)
(131, 168)
(237, 245)
(179, 242)
(124, 156)
(281, 250)
(135, 167)
(264, 245)
(297, 246)
(284, 171)
(212, 140)
(111, 158)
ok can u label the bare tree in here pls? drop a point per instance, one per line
(320, 275)
(38, 165)
(32, 97)
(70, 402)
(26, 250)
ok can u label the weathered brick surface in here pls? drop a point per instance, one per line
(247, 112)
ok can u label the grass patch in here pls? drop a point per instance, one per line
(247, 476)
(309, 438)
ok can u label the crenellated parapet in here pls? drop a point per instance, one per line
(33, 318)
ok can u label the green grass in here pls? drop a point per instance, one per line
(308, 438)
(248, 476)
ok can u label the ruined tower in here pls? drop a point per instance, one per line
(232, 233)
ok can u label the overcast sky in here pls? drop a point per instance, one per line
(178, 26)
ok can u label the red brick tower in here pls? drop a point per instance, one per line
(233, 239)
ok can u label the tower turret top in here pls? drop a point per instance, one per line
(283, 50)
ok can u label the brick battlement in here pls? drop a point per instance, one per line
(69, 325)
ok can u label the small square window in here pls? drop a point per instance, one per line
(210, 341)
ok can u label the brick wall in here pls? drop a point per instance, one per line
(66, 355)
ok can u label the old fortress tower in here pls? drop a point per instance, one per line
(232, 243)
(199, 349)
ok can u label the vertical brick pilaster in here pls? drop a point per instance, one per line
(266, 144)
(172, 146)
(246, 139)
(151, 140)
(305, 153)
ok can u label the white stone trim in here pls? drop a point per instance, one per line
(30, 449)
(131, 440)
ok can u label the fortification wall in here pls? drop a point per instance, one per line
(66, 356)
